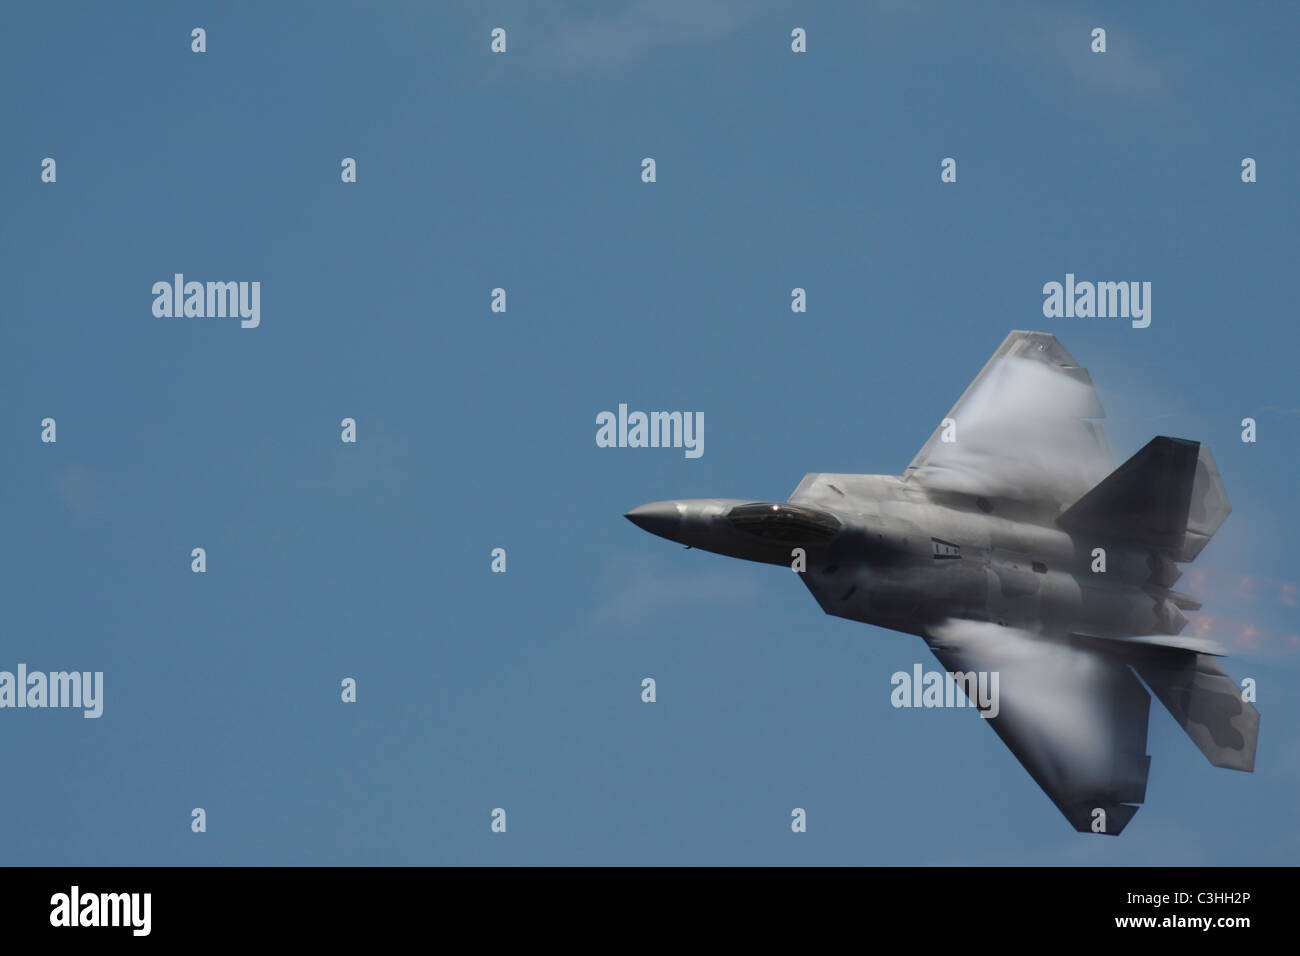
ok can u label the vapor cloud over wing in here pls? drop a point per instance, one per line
(1050, 686)
(1022, 433)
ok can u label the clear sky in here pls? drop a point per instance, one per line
(476, 429)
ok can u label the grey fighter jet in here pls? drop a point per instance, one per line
(1011, 547)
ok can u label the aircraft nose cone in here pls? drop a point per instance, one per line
(658, 517)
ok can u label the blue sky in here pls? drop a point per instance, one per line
(476, 429)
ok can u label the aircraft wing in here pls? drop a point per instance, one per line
(1023, 429)
(1075, 717)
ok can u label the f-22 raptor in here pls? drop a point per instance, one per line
(1011, 547)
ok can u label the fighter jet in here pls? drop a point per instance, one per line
(1010, 546)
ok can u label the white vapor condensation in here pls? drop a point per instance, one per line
(1044, 684)
(1022, 434)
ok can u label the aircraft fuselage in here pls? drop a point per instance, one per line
(878, 549)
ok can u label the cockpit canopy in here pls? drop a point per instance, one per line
(782, 522)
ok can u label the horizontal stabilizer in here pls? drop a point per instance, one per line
(1208, 704)
(1180, 642)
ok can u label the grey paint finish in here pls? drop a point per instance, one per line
(985, 548)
